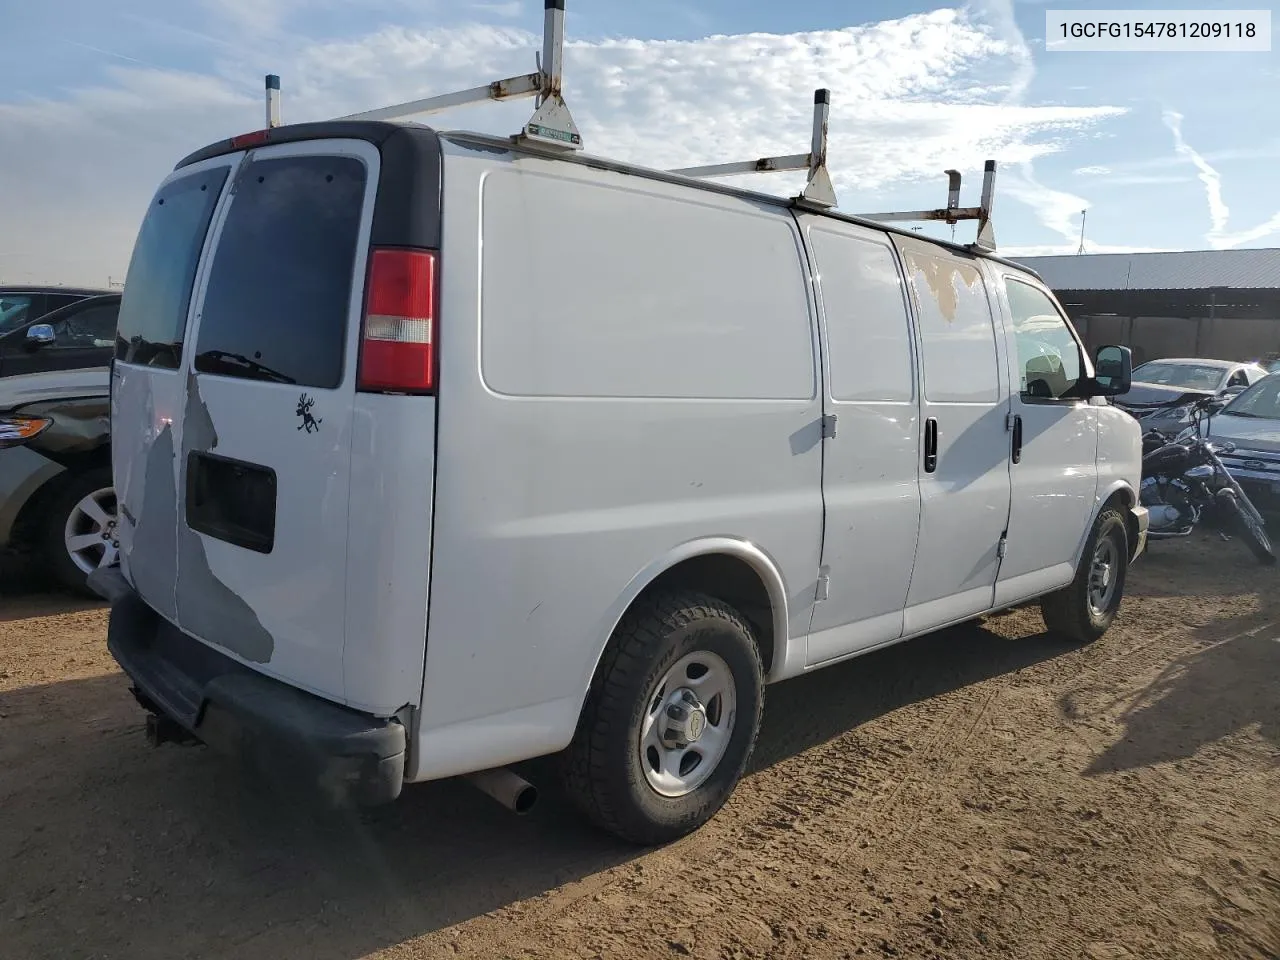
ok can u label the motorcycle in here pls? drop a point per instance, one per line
(1183, 481)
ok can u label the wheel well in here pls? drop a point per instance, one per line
(27, 524)
(731, 580)
(1124, 498)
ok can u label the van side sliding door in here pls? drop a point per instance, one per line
(964, 450)
(871, 465)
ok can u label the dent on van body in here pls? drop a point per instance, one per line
(207, 607)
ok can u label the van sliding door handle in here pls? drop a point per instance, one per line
(930, 445)
(1017, 439)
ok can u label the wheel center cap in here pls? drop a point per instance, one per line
(686, 719)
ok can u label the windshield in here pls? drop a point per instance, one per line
(1261, 400)
(1188, 376)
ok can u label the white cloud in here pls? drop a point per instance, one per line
(1218, 237)
(1094, 171)
(911, 97)
(510, 8)
(1058, 210)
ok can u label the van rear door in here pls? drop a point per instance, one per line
(261, 410)
(264, 461)
(147, 385)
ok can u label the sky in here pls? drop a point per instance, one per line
(1167, 151)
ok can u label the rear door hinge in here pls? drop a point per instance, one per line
(1009, 420)
(824, 587)
(828, 426)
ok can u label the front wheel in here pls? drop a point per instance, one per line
(670, 719)
(80, 529)
(1247, 527)
(1083, 610)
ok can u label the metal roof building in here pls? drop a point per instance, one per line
(1185, 270)
(1198, 303)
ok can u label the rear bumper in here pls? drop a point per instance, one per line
(1141, 522)
(281, 733)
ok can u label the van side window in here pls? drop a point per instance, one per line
(1238, 379)
(866, 317)
(1048, 355)
(956, 329)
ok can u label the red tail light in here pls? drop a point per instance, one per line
(396, 351)
(253, 139)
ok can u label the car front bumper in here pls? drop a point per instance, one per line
(281, 733)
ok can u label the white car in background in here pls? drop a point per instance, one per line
(1251, 421)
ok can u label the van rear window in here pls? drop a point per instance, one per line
(279, 289)
(157, 290)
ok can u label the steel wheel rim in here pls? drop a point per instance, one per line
(90, 535)
(688, 723)
(1104, 574)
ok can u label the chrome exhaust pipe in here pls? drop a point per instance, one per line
(511, 790)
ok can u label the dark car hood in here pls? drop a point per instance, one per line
(1152, 394)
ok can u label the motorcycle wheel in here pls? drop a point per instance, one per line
(1245, 526)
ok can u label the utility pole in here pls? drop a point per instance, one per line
(1083, 214)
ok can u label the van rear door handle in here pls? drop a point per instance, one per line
(930, 445)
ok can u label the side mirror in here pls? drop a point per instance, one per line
(40, 335)
(1113, 371)
(1232, 391)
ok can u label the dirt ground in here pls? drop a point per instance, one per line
(986, 792)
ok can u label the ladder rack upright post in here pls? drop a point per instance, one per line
(953, 213)
(273, 100)
(818, 190)
(551, 124)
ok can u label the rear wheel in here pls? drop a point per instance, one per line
(670, 720)
(1084, 609)
(1246, 526)
(80, 529)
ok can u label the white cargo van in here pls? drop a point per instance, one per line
(439, 452)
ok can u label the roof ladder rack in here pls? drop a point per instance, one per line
(953, 213)
(551, 123)
(818, 190)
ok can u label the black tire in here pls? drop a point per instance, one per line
(1068, 612)
(57, 511)
(602, 768)
(1241, 522)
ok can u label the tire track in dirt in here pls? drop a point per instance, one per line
(875, 805)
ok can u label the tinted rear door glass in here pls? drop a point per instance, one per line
(279, 289)
(157, 293)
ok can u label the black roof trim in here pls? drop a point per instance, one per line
(378, 132)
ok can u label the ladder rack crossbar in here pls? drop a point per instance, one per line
(945, 214)
(953, 213)
(796, 161)
(512, 88)
(817, 190)
(552, 125)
